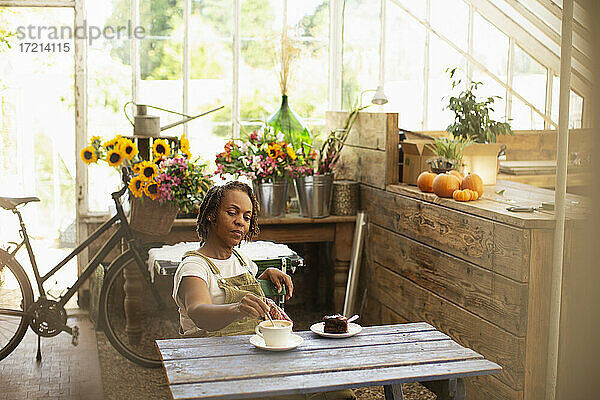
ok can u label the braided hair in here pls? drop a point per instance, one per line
(212, 202)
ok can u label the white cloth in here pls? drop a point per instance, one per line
(198, 267)
(260, 250)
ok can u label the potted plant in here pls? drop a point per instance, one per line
(472, 122)
(264, 158)
(449, 154)
(159, 189)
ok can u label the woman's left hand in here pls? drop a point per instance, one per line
(279, 278)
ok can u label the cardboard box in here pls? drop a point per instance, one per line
(416, 155)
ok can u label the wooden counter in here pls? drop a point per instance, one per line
(474, 270)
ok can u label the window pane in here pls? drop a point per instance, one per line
(441, 57)
(417, 8)
(490, 47)
(161, 18)
(211, 76)
(361, 49)
(37, 128)
(529, 80)
(575, 105)
(405, 44)
(450, 18)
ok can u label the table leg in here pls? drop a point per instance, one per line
(132, 303)
(342, 252)
(393, 392)
(449, 389)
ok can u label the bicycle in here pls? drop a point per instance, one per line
(131, 310)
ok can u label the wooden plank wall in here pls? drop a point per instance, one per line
(370, 154)
(468, 276)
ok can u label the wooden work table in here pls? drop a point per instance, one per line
(295, 229)
(474, 270)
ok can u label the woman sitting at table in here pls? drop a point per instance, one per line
(215, 288)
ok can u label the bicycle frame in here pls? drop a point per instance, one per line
(124, 231)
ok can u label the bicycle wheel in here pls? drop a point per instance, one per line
(16, 296)
(133, 320)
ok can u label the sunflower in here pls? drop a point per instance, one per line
(160, 148)
(95, 139)
(88, 155)
(151, 190)
(112, 142)
(137, 167)
(274, 150)
(128, 148)
(136, 185)
(114, 157)
(184, 144)
(186, 152)
(156, 160)
(291, 152)
(148, 171)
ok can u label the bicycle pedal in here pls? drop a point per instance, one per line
(75, 334)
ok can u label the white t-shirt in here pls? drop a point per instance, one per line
(198, 267)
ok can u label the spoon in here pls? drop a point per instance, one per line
(353, 318)
(270, 319)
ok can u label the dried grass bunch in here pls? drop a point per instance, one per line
(290, 51)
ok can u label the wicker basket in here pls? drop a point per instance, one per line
(150, 217)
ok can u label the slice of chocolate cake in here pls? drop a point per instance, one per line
(335, 324)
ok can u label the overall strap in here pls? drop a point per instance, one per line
(211, 265)
(239, 257)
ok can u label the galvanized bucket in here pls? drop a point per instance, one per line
(272, 197)
(314, 195)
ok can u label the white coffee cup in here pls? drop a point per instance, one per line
(278, 335)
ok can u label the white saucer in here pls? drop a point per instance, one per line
(259, 342)
(353, 329)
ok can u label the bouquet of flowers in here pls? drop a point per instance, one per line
(171, 177)
(264, 157)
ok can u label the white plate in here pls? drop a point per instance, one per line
(353, 329)
(259, 342)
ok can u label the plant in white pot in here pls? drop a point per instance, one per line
(472, 122)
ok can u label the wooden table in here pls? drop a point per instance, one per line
(231, 367)
(295, 229)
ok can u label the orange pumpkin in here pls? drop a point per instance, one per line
(425, 181)
(474, 194)
(445, 184)
(457, 174)
(462, 195)
(473, 182)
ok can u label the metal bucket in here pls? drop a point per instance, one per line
(272, 197)
(314, 195)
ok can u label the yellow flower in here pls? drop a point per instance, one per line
(128, 148)
(187, 153)
(156, 160)
(137, 167)
(114, 158)
(160, 148)
(112, 142)
(148, 171)
(274, 150)
(95, 139)
(88, 155)
(184, 144)
(136, 185)
(151, 190)
(291, 152)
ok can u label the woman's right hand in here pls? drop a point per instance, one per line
(252, 306)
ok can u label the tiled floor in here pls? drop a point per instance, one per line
(65, 372)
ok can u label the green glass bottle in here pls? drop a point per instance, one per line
(286, 121)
